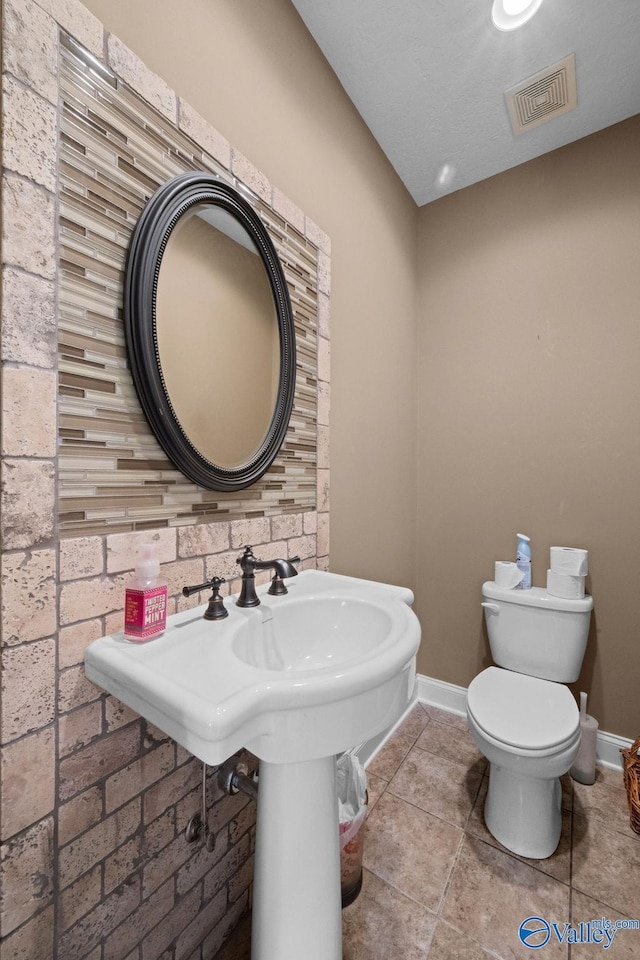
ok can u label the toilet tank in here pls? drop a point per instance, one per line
(534, 633)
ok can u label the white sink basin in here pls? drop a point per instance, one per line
(314, 634)
(297, 678)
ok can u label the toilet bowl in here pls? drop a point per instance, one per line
(529, 730)
(522, 717)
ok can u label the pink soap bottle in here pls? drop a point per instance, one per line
(145, 602)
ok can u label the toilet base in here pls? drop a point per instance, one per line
(524, 814)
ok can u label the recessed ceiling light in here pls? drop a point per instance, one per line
(445, 177)
(509, 14)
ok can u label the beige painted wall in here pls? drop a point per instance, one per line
(529, 402)
(252, 70)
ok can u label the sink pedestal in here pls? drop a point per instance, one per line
(297, 910)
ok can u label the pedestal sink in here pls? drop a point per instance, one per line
(296, 681)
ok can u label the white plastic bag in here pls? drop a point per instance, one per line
(352, 796)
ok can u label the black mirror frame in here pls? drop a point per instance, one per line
(147, 246)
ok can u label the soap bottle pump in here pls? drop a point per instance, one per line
(145, 605)
(523, 561)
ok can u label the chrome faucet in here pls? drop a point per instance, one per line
(249, 564)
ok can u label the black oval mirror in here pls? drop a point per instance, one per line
(210, 332)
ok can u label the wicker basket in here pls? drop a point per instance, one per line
(631, 763)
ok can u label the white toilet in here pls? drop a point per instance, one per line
(522, 718)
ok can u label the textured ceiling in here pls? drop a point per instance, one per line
(429, 79)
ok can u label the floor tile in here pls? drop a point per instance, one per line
(611, 777)
(383, 923)
(491, 893)
(437, 785)
(387, 761)
(606, 865)
(450, 742)
(625, 944)
(375, 788)
(414, 723)
(410, 849)
(604, 801)
(445, 716)
(451, 944)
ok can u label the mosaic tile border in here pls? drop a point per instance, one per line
(115, 150)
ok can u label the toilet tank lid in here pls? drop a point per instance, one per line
(535, 597)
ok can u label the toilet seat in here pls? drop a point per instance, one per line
(521, 712)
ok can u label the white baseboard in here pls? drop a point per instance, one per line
(608, 747)
(449, 697)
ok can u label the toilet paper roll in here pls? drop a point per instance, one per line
(565, 586)
(570, 561)
(507, 574)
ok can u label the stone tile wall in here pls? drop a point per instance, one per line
(94, 800)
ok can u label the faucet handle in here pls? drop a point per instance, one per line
(246, 560)
(187, 591)
(214, 583)
(216, 609)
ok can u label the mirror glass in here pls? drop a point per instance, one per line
(210, 331)
(226, 341)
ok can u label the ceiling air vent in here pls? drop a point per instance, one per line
(543, 96)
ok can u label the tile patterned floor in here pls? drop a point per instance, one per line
(438, 886)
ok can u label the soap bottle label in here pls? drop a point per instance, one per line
(145, 613)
